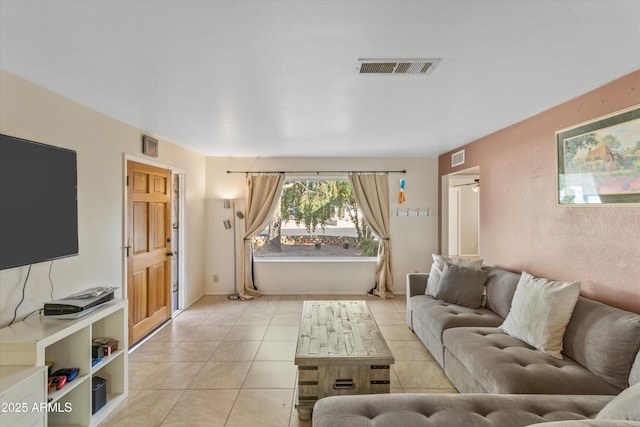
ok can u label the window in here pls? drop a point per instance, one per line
(316, 218)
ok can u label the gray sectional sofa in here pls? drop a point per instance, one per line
(601, 344)
(505, 381)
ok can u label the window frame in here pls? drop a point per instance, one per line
(318, 258)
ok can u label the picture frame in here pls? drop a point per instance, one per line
(599, 161)
(149, 146)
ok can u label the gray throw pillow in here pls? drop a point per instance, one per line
(461, 285)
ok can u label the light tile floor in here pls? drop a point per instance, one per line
(230, 363)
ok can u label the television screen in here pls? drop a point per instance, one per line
(38, 202)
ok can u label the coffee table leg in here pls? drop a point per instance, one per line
(304, 413)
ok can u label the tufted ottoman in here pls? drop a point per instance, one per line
(480, 410)
(453, 410)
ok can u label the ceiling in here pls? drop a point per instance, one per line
(278, 78)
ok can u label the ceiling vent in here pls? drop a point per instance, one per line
(397, 66)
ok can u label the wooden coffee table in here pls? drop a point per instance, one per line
(340, 351)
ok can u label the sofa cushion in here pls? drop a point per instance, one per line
(603, 339)
(625, 406)
(440, 315)
(540, 312)
(451, 410)
(501, 285)
(430, 317)
(461, 285)
(504, 364)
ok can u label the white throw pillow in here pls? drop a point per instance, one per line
(434, 275)
(623, 407)
(540, 312)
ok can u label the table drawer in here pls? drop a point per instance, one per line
(316, 382)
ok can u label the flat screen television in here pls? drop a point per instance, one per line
(38, 202)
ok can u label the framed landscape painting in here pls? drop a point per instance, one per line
(599, 161)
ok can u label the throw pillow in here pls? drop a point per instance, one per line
(471, 263)
(623, 407)
(540, 312)
(434, 274)
(461, 285)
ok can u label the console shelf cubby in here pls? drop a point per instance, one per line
(67, 343)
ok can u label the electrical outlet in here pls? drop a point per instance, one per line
(216, 278)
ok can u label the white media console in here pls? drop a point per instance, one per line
(26, 346)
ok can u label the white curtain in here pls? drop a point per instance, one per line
(372, 195)
(262, 196)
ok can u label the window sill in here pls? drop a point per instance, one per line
(314, 259)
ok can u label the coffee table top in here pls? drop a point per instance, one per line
(340, 330)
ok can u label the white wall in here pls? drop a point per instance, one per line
(413, 239)
(468, 222)
(454, 211)
(344, 276)
(31, 112)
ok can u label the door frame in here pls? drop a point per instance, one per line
(181, 229)
(181, 224)
(453, 216)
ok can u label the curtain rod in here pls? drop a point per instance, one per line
(315, 172)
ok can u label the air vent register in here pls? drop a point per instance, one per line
(397, 66)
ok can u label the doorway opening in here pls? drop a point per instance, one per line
(463, 217)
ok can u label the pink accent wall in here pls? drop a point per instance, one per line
(521, 228)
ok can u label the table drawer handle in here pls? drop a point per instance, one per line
(342, 384)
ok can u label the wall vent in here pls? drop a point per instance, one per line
(397, 66)
(457, 158)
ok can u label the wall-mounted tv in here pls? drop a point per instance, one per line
(38, 202)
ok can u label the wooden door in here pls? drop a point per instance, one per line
(148, 248)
